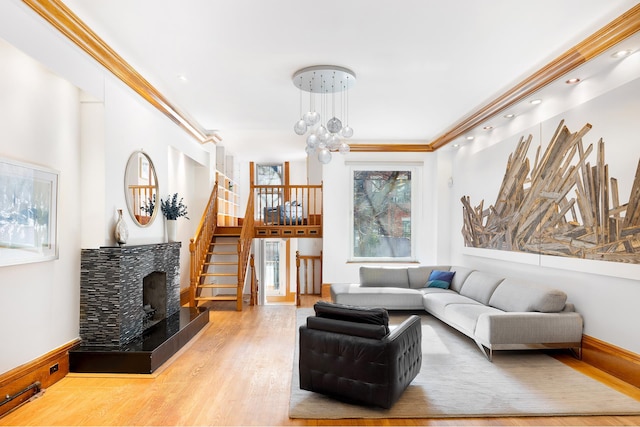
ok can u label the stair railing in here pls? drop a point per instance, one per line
(199, 244)
(285, 204)
(309, 274)
(244, 248)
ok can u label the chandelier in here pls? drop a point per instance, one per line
(324, 82)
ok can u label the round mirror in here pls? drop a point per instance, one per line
(141, 189)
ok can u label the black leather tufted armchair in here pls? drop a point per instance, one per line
(349, 353)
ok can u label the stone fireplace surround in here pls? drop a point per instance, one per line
(111, 290)
(115, 331)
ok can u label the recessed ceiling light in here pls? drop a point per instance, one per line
(621, 53)
(469, 138)
(573, 81)
(535, 101)
(509, 116)
(182, 78)
(488, 127)
(456, 145)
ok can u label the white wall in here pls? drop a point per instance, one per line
(61, 110)
(39, 124)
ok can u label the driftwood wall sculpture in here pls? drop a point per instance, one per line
(561, 206)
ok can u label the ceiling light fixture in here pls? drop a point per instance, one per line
(469, 138)
(325, 81)
(489, 127)
(509, 116)
(573, 81)
(621, 53)
(536, 101)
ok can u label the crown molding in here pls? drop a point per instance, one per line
(64, 20)
(619, 29)
(390, 148)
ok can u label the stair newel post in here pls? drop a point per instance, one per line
(254, 288)
(241, 266)
(298, 278)
(194, 273)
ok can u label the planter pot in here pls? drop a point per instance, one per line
(172, 230)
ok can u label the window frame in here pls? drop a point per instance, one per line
(416, 202)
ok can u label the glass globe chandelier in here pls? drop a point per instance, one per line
(324, 82)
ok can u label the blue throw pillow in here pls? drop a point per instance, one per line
(438, 284)
(445, 276)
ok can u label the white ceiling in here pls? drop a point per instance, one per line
(420, 64)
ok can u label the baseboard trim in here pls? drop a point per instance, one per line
(184, 296)
(325, 290)
(17, 379)
(614, 360)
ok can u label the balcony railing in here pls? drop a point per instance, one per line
(288, 204)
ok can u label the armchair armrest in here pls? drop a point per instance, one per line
(405, 347)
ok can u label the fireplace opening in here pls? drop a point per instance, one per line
(154, 298)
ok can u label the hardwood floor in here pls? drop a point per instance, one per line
(236, 372)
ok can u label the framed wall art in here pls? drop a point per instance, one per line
(28, 213)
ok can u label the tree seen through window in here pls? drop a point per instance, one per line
(382, 214)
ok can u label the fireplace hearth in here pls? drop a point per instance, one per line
(130, 315)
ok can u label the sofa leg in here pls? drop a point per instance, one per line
(577, 352)
(483, 349)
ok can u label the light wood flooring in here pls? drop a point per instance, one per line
(237, 371)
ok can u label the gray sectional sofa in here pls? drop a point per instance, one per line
(498, 313)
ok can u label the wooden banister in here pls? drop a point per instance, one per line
(199, 244)
(244, 247)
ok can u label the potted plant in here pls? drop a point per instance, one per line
(147, 210)
(172, 209)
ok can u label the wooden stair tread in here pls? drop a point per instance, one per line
(219, 274)
(220, 263)
(227, 232)
(218, 285)
(218, 298)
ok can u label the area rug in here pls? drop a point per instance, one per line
(456, 380)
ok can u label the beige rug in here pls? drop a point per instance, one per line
(456, 380)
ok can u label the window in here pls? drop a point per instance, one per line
(269, 175)
(384, 205)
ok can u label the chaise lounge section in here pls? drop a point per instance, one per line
(497, 313)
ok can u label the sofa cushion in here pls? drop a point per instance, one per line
(465, 316)
(461, 275)
(514, 295)
(384, 276)
(438, 284)
(480, 286)
(445, 276)
(389, 297)
(419, 276)
(436, 302)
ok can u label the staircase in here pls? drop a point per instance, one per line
(219, 278)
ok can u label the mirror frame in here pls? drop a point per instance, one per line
(138, 166)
